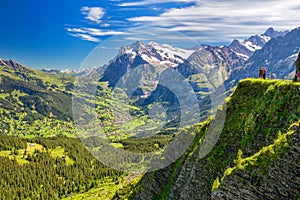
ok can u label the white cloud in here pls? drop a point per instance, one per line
(91, 34)
(76, 30)
(98, 32)
(219, 20)
(149, 2)
(105, 25)
(85, 37)
(93, 13)
(94, 31)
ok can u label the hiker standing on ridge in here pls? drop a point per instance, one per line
(264, 73)
(297, 63)
(260, 72)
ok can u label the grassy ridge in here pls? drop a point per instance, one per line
(260, 114)
(260, 117)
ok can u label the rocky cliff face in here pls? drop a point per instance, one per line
(256, 156)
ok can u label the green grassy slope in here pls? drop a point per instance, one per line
(262, 120)
(36, 93)
(34, 103)
(259, 117)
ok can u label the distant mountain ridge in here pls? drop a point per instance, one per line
(247, 47)
(12, 64)
(186, 60)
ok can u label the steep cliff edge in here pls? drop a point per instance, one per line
(256, 156)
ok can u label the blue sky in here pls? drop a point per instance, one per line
(60, 34)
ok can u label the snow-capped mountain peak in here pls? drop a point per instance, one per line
(246, 48)
(170, 50)
(157, 54)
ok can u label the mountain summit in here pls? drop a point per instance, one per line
(159, 56)
(270, 32)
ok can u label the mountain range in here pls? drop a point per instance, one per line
(217, 63)
(247, 47)
(206, 68)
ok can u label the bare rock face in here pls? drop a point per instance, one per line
(277, 180)
(192, 180)
(153, 182)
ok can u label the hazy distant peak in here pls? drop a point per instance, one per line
(271, 32)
